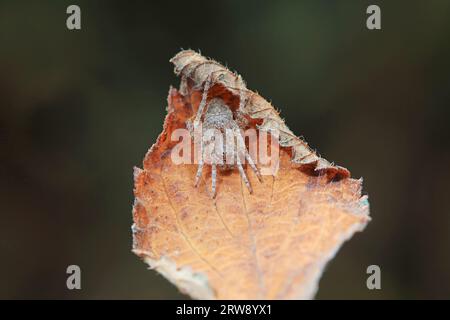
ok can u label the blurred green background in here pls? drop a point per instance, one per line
(79, 109)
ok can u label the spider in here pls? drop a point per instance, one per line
(223, 153)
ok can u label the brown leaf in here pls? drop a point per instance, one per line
(194, 69)
(272, 244)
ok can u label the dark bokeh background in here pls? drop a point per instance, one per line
(79, 109)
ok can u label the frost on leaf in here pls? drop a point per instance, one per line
(271, 244)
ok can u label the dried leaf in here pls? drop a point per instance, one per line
(191, 65)
(271, 244)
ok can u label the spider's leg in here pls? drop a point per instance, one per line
(202, 105)
(199, 174)
(213, 180)
(253, 166)
(183, 85)
(242, 172)
(244, 177)
(199, 170)
(242, 148)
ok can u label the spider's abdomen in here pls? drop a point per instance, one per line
(218, 114)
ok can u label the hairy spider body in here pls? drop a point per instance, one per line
(221, 142)
(197, 72)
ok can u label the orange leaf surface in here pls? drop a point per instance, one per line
(271, 244)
